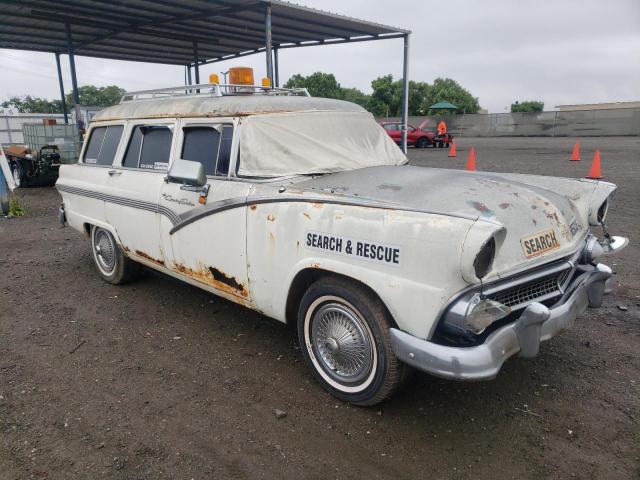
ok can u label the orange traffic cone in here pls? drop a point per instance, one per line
(452, 150)
(575, 155)
(471, 161)
(595, 172)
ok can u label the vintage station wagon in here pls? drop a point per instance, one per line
(305, 210)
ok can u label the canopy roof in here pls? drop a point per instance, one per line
(443, 106)
(166, 31)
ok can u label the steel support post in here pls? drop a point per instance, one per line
(74, 78)
(60, 82)
(196, 62)
(276, 67)
(405, 94)
(269, 53)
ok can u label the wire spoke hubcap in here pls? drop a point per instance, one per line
(105, 250)
(342, 343)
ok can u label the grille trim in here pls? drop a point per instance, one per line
(539, 289)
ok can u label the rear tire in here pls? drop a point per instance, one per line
(114, 267)
(345, 339)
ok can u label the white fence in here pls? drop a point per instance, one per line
(11, 125)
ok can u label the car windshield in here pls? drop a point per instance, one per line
(303, 143)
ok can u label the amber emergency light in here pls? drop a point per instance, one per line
(241, 76)
(266, 82)
(213, 78)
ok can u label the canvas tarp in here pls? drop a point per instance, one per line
(301, 143)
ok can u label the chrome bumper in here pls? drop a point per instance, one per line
(537, 323)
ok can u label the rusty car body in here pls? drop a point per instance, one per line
(379, 264)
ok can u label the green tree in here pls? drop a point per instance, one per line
(528, 106)
(448, 90)
(319, 84)
(29, 104)
(97, 96)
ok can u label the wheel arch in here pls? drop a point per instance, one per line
(306, 277)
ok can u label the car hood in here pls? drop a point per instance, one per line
(525, 205)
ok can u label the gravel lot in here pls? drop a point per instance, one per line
(158, 379)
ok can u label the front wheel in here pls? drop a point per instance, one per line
(113, 266)
(344, 335)
(423, 142)
(16, 174)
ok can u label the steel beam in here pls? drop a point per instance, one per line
(61, 83)
(268, 49)
(72, 66)
(276, 67)
(405, 93)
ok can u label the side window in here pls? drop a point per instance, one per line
(102, 146)
(210, 146)
(149, 147)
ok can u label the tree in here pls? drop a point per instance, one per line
(528, 106)
(448, 90)
(318, 84)
(29, 104)
(97, 96)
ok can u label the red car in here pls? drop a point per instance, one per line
(418, 137)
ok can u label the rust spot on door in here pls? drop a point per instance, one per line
(271, 217)
(146, 256)
(253, 207)
(504, 205)
(317, 205)
(306, 215)
(215, 278)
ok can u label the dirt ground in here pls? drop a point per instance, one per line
(158, 379)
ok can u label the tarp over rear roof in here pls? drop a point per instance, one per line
(164, 31)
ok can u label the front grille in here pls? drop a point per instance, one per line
(540, 289)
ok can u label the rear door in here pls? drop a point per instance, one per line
(211, 249)
(134, 188)
(85, 185)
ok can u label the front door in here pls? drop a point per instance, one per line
(207, 243)
(134, 187)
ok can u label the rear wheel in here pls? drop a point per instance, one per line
(113, 266)
(344, 335)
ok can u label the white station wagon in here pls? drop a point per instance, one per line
(306, 211)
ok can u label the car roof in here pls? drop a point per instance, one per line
(225, 106)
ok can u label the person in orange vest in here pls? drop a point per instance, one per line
(442, 127)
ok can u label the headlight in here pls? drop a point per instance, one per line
(484, 259)
(602, 211)
(473, 313)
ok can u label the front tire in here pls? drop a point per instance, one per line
(16, 173)
(344, 335)
(423, 142)
(114, 267)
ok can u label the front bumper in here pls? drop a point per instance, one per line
(537, 323)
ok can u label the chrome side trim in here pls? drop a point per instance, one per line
(127, 202)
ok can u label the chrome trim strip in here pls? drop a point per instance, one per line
(127, 202)
(196, 214)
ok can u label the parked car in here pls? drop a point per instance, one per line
(419, 137)
(303, 209)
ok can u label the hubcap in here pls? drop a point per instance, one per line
(342, 343)
(105, 250)
(16, 177)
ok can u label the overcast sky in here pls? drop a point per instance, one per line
(557, 51)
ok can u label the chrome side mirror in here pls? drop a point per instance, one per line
(187, 173)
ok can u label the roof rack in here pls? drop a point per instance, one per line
(212, 90)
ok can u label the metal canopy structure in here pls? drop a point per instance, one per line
(188, 33)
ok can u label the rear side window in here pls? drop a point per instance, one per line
(210, 146)
(149, 147)
(103, 144)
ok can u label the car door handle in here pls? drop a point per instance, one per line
(114, 172)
